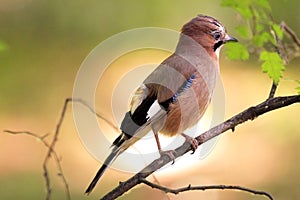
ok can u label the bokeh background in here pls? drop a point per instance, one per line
(45, 43)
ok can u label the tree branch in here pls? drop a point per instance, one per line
(203, 188)
(273, 90)
(248, 114)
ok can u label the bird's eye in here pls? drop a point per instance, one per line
(217, 35)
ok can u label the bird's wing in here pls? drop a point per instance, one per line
(138, 97)
(155, 94)
(141, 102)
(152, 123)
(170, 75)
(156, 115)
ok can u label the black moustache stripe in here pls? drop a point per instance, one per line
(217, 45)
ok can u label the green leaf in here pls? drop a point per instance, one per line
(272, 65)
(236, 51)
(243, 31)
(260, 39)
(278, 30)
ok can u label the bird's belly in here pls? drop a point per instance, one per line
(186, 111)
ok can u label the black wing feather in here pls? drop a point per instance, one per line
(132, 122)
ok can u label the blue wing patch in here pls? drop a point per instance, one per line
(186, 85)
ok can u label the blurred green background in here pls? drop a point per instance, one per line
(45, 43)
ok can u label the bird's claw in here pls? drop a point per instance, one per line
(192, 141)
(170, 153)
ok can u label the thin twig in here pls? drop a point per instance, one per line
(279, 47)
(51, 149)
(254, 21)
(51, 146)
(55, 138)
(203, 188)
(100, 116)
(248, 114)
(273, 90)
(41, 138)
(57, 161)
(290, 31)
(296, 42)
(283, 56)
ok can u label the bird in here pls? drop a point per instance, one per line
(177, 93)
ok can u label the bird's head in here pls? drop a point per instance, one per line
(208, 32)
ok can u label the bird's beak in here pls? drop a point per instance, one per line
(228, 38)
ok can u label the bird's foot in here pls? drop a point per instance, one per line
(192, 141)
(170, 153)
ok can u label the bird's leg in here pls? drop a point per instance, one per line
(192, 141)
(169, 153)
(157, 142)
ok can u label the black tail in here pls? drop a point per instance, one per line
(100, 172)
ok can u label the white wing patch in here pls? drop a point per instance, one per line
(137, 98)
(154, 109)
